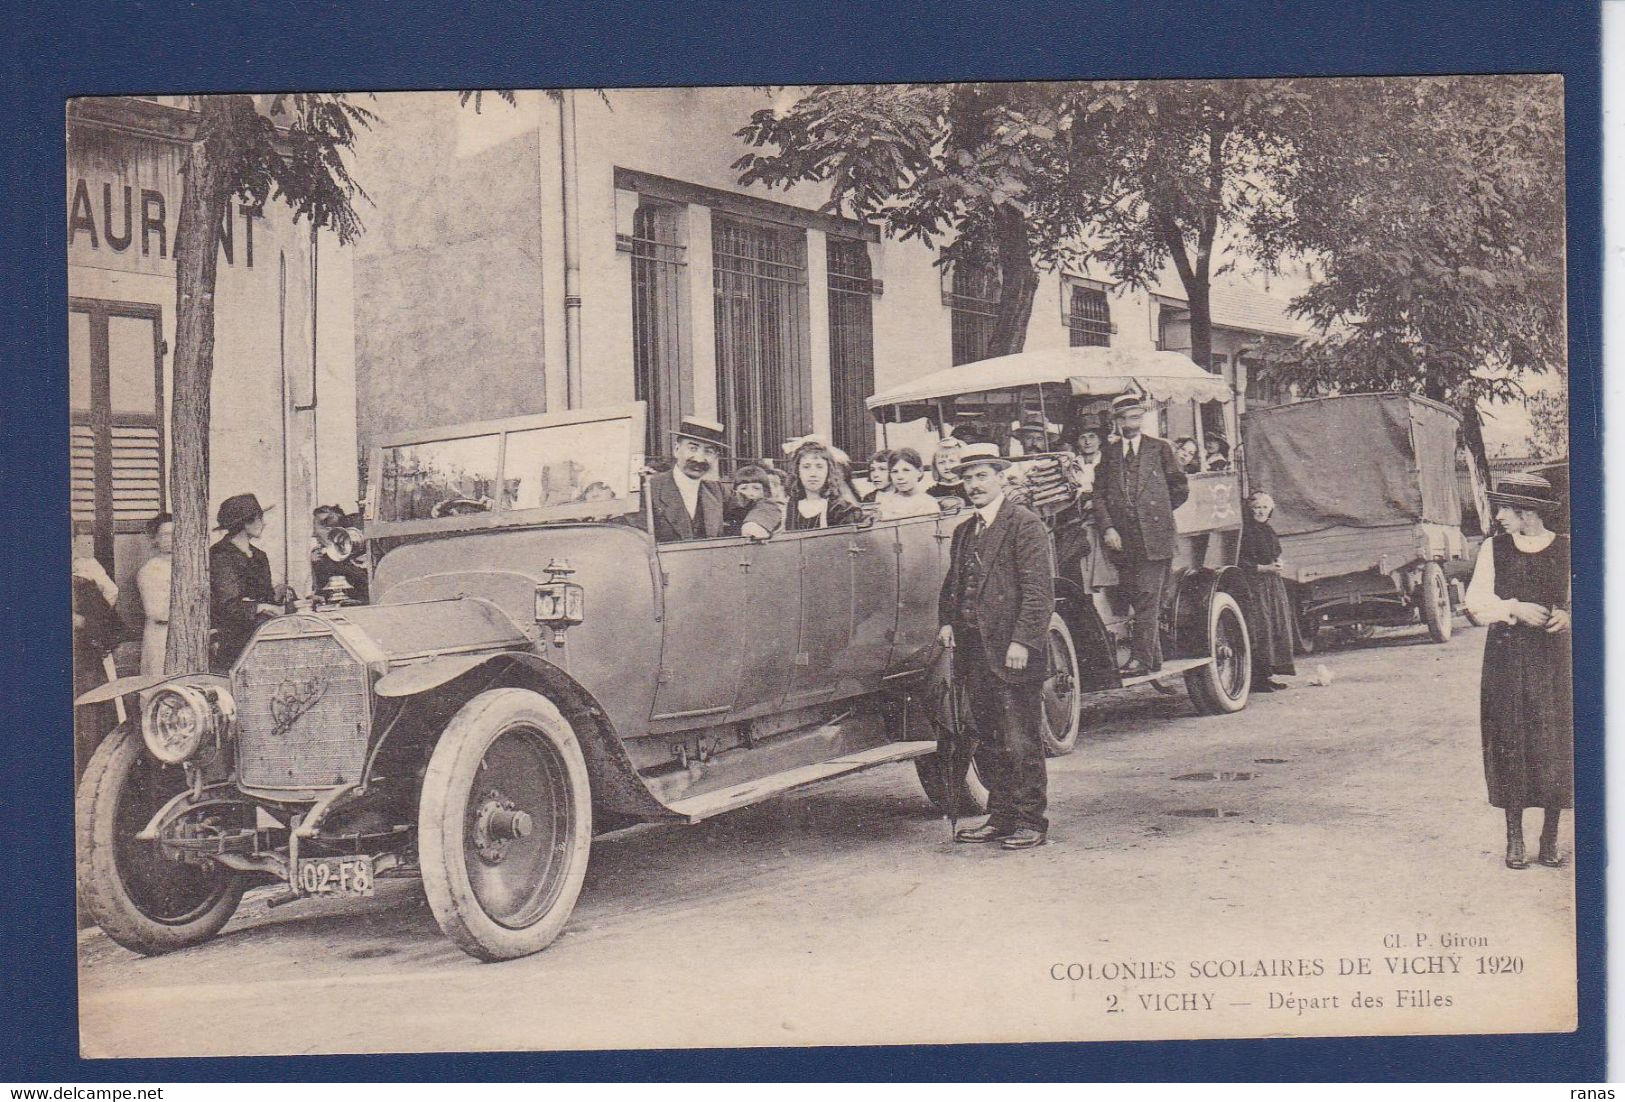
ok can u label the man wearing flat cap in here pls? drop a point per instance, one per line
(240, 590)
(686, 502)
(1138, 485)
(994, 611)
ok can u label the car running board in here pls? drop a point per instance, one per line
(696, 808)
(1169, 669)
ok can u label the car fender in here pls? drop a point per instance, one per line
(616, 785)
(1193, 592)
(1097, 657)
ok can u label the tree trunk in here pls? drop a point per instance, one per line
(205, 190)
(1197, 295)
(1018, 282)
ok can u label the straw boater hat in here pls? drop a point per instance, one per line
(1525, 491)
(1125, 403)
(974, 455)
(238, 510)
(704, 432)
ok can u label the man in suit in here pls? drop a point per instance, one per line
(687, 505)
(994, 611)
(1138, 486)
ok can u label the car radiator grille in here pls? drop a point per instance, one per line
(302, 714)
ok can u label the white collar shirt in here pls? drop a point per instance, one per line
(989, 512)
(689, 487)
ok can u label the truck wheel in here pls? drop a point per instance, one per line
(1222, 686)
(140, 898)
(1062, 702)
(1434, 596)
(969, 796)
(505, 824)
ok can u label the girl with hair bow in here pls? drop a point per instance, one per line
(820, 496)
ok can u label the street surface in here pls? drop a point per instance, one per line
(1337, 817)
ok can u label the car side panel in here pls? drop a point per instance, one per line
(702, 633)
(770, 610)
(872, 607)
(826, 621)
(922, 558)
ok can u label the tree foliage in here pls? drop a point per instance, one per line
(1431, 211)
(978, 168)
(1166, 172)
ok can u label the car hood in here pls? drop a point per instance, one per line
(419, 629)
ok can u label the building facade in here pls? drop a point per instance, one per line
(594, 249)
(283, 405)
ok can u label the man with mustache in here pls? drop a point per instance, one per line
(686, 502)
(994, 611)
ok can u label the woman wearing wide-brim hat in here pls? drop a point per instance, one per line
(1520, 588)
(240, 589)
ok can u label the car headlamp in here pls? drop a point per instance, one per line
(560, 602)
(178, 718)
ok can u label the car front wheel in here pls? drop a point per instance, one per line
(505, 824)
(139, 896)
(1224, 683)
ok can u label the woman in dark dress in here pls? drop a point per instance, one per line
(1520, 588)
(1270, 621)
(816, 500)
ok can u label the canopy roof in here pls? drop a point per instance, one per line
(1085, 372)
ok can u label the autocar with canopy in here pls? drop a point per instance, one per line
(1203, 620)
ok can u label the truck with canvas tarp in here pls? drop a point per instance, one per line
(1368, 492)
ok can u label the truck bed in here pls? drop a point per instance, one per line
(1336, 551)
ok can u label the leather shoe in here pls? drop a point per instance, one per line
(1135, 668)
(987, 832)
(1023, 838)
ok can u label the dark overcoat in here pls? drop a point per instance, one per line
(1017, 594)
(1143, 513)
(671, 518)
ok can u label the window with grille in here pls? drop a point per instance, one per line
(663, 373)
(115, 398)
(1088, 317)
(851, 344)
(763, 378)
(972, 296)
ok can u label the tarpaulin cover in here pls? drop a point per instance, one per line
(1358, 461)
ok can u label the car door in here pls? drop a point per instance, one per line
(702, 631)
(922, 557)
(871, 606)
(771, 624)
(825, 613)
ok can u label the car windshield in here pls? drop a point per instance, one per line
(584, 468)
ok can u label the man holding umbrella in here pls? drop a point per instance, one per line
(994, 609)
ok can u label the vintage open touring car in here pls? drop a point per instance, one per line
(533, 668)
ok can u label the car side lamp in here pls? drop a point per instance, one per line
(560, 602)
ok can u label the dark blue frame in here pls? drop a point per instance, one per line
(96, 47)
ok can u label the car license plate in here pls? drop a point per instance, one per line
(350, 875)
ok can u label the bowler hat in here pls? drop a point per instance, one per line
(704, 432)
(238, 510)
(1123, 403)
(972, 455)
(1521, 490)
